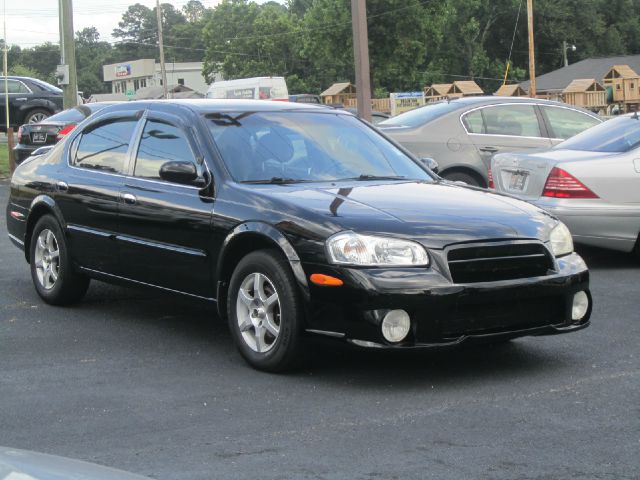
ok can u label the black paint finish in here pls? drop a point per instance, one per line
(188, 238)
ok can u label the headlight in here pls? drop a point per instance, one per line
(561, 241)
(349, 248)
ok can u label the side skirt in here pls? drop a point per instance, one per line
(107, 277)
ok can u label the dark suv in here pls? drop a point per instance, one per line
(30, 100)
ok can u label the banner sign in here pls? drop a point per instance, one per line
(405, 101)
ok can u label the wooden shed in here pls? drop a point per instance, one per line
(513, 90)
(338, 93)
(437, 91)
(617, 77)
(585, 92)
(465, 88)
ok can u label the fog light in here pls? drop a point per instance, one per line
(580, 306)
(396, 325)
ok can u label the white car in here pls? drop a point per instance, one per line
(591, 182)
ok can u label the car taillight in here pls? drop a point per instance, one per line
(491, 184)
(561, 184)
(65, 131)
(20, 134)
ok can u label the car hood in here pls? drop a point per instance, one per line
(435, 214)
(26, 465)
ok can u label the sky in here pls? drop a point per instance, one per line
(36, 21)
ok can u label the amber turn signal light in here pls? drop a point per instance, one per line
(326, 280)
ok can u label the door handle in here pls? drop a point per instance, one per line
(21, 99)
(129, 198)
(62, 186)
(489, 149)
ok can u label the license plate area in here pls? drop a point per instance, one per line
(515, 180)
(39, 137)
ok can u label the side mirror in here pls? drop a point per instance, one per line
(179, 172)
(430, 163)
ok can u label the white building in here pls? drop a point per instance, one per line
(128, 77)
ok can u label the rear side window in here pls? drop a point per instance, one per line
(566, 123)
(105, 147)
(14, 86)
(513, 120)
(160, 143)
(473, 122)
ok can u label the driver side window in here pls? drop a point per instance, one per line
(160, 143)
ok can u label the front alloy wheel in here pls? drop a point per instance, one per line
(258, 312)
(265, 311)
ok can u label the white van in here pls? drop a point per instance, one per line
(257, 88)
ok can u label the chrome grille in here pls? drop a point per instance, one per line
(500, 261)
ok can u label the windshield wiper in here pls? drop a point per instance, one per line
(365, 177)
(276, 181)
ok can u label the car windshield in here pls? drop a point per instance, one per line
(422, 115)
(616, 136)
(287, 147)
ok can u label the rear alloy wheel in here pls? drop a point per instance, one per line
(37, 115)
(265, 311)
(51, 271)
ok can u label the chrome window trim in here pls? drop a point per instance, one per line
(21, 83)
(492, 105)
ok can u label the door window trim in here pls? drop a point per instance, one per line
(174, 122)
(543, 130)
(73, 144)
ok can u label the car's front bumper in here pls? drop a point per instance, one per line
(443, 313)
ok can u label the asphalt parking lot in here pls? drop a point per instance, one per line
(151, 383)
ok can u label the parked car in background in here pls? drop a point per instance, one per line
(296, 221)
(463, 134)
(376, 117)
(305, 98)
(255, 88)
(30, 100)
(18, 464)
(32, 136)
(591, 182)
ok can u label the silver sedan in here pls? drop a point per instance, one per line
(591, 182)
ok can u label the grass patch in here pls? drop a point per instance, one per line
(4, 160)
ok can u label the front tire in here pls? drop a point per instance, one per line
(52, 273)
(265, 311)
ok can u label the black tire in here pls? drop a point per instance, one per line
(462, 177)
(64, 285)
(275, 353)
(36, 115)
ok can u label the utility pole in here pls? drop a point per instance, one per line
(5, 64)
(532, 55)
(68, 79)
(361, 57)
(163, 69)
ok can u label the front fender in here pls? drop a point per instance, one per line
(274, 237)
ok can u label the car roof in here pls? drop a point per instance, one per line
(223, 105)
(492, 99)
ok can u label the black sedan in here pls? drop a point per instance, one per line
(295, 221)
(30, 100)
(49, 131)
